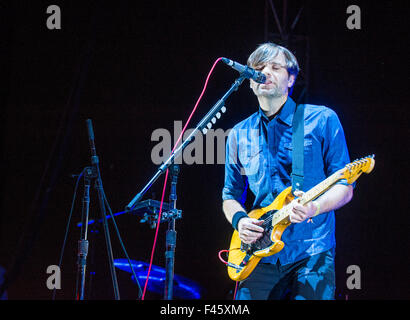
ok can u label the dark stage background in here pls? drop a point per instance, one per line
(135, 66)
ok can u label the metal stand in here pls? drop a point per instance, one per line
(204, 125)
(93, 173)
(171, 237)
(89, 175)
(148, 210)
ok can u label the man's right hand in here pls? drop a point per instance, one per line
(249, 230)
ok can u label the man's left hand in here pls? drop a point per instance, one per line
(300, 213)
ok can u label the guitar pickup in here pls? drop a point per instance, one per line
(245, 247)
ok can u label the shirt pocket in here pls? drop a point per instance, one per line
(286, 152)
(251, 159)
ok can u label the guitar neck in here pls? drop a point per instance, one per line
(308, 196)
(322, 187)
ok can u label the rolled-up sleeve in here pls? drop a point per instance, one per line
(235, 185)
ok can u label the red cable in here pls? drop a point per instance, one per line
(219, 255)
(166, 177)
(199, 99)
(220, 258)
(236, 288)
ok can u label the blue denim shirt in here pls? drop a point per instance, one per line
(259, 158)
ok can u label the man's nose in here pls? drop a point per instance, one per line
(267, 71)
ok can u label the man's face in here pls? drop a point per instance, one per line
(278, 80)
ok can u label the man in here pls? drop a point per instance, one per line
(259, 157)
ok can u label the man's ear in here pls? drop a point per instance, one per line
(291, 81)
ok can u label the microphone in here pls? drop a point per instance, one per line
(246, 71)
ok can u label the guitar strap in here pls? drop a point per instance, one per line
(298, 144)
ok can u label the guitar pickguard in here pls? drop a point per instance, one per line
(263, 242)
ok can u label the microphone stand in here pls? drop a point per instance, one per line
(83, 242)
(204, 125)
(94, 173)
(171, 237)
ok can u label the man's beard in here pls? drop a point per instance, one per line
(272, 93)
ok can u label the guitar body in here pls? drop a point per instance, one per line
(244, 258)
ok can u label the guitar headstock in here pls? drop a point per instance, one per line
(353, 170)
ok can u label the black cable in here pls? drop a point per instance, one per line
(68, 227)
(122, 244)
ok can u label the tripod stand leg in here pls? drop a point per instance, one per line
(169, 261)
(101, 197)
(107, 238)
(83, 242)
(82, 264)
(171, 237)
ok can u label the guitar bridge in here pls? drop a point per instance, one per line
(259, 244)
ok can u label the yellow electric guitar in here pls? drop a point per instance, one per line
(243, 258)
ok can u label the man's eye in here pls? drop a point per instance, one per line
(276, 67)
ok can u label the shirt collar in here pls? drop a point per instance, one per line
(285, 114)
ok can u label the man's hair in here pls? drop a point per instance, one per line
(265, 52)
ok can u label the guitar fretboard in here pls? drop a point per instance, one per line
(308, 196)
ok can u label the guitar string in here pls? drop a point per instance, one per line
(272, 215)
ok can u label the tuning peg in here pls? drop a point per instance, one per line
(218, 115)
(209, 125)
(213, 120)
(223, 109)
(204, 130)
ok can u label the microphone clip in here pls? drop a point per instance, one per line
(245, 71)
